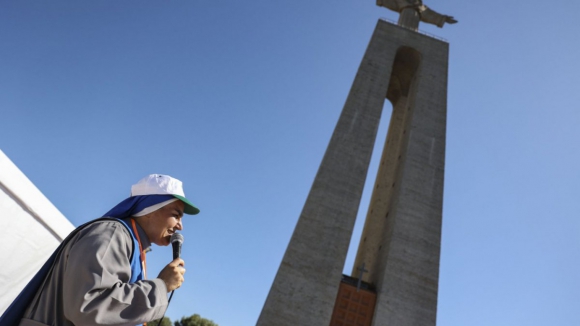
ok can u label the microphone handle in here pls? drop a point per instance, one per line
(176, 250)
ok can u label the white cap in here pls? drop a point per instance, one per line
(159, 184)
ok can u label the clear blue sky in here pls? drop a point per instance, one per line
(239, 99)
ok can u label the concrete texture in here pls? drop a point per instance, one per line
(401, 251)
(400, 244)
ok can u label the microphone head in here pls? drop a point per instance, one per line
(176, 237)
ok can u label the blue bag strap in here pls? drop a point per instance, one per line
(137, 272)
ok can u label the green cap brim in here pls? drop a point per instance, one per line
(189, 208)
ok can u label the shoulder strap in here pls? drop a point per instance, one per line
(137, 272)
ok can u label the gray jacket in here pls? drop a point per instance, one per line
(89, 283)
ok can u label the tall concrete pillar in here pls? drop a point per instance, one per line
(401, 239)
(400, 244)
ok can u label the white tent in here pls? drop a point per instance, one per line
(30, 229)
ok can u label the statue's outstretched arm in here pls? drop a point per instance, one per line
(433, 17)
(450, 20)
(394, 5)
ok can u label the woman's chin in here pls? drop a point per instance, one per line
(164, 242)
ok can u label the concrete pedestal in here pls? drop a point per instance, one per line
(401, 240)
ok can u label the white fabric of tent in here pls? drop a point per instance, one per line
(31, 228)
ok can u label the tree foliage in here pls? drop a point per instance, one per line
(165, 322)
(193, 320)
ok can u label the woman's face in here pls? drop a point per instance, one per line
(162, 223)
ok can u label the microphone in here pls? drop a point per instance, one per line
(176, 241)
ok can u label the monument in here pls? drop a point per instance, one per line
(395, 277)
(413, 11)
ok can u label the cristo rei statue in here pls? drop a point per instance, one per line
(413, 11)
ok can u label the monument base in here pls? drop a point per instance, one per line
(355, 303)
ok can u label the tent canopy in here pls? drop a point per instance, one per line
(31, 227)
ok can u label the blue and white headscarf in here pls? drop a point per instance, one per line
(139, 205)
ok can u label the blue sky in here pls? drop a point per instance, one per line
(239, 99)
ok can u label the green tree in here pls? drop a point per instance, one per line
(195, 320)
(165, 322)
